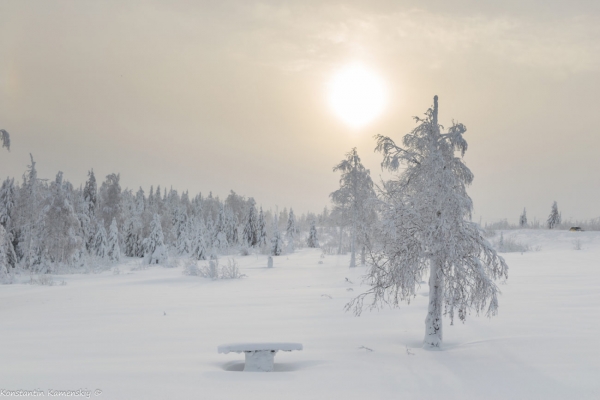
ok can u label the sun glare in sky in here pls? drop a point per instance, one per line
(357, 95)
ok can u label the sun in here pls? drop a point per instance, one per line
(357, 95)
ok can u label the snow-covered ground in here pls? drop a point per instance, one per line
(153, 334)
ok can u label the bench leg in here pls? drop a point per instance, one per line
(259, 361)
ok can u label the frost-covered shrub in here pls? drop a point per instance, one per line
(510, 245)
(190, 268)
(45, 280)
(231, 270)
(216, 271)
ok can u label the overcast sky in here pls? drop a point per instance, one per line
(220, 95)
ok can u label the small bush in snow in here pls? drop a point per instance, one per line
(191, 268)
(231, 270)
(510, 245)
(45, 280)
(215, 271)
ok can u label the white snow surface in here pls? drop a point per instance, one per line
(151, 334)
(241, 347)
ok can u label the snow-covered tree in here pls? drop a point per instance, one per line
(132, 243)
(110, 198)
(7, 201)
(181, 226)
(154, 245)
(290, 231)
(198, 242)
(90, 193)
(276, 239)
(313, 240)
(114, 251)
(29, 219)
(250, 229)
(8, 258)
(427, 227)
(354, 199)
(5, 139)
(101, 242)
(554, 218)
(60, 237)
(523, 219)
(261, 229)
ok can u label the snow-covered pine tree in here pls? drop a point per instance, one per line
(198, 242)
(290, 231)
(110, 198)
(426, 226)
(312, 241)
(7, 201)
(114, 251)
(231, 227)
(250, 229)
(262, 229)
(276, 240)
(182, 243)
(523, 219)
(132, 238)
(283, 218)
(355, 197)
(90, 193)
(5, 139)
(101, 242)
(554, 218)
(220, 239)
(154, 246)
(8, 258)
(4, 267)
(60, 238)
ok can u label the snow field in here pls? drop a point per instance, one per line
(110, 332)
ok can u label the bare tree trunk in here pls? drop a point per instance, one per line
(433, 322)
(363, 255)
(340, 246)
(353, 247)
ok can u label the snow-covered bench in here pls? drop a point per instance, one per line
(259, 356)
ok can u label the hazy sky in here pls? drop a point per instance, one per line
(221, 95)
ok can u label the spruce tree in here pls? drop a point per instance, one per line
(7, 256)
(7, 201)
(154, 246)
(5, 139)
(199, 250)
(114, 251)
(262, 229)
(290, 231)
(523, 219)
(132, 239)
(250, 229)
(100, 242)
(276, 240)
(554, 218)
(312, 241)
(90, 193)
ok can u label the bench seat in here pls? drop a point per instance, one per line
(259, 356)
